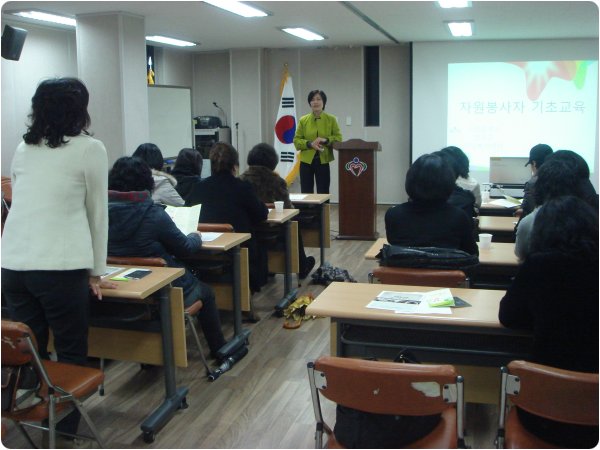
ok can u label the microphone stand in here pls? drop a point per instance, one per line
(236, 135)
(223, 111)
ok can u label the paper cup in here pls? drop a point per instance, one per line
(485, 240)
(278, 206)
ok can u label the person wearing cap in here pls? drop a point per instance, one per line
(537, 156)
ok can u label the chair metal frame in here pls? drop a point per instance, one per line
(556, 394)
(50, 394)
(389, 379)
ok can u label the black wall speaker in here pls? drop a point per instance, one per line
(12, 42)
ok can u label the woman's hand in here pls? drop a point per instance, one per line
(317, 144)
(97, 284)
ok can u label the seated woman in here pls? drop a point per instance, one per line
(270, 187)
(461, 198)
(461, 168)
(139, 227)
(427, 219)
(555, 294)
(164, 184)
(227, 199)
(187, 170)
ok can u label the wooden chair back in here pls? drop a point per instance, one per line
(420, 277)
(136, 261)
(216, 227)
(556, 394)
(391, 388)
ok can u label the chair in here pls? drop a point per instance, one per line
(419, 277)
(60, 384)
(390, 388)
(555, 394)
(189, 312)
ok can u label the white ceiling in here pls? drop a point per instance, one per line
(355, 23)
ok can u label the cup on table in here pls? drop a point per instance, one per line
(278, 206)
(485, 197)
(485, 240)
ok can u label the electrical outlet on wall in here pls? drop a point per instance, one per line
(348, 121)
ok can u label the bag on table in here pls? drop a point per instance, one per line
(427, 258)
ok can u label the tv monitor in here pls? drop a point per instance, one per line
(509, 171)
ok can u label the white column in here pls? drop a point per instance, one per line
(111, 60)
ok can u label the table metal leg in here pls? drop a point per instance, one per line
(288, 258)
(322, 234)
(237, 291)
(174, 397)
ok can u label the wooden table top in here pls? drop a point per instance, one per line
(309, 199)
(226, 241)
(281, 217)
(349, 300)
(497, 223)
(499, 254)
(140, 289)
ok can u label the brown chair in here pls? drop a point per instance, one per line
(556, 394)
(215, 227)
(189, 312)
(390, 388)
(60, 384)
(419, 277)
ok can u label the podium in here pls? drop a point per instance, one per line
(357, 164)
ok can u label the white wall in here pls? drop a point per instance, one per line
(211, 83)
(46, 53)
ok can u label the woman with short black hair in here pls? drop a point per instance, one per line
(187, 170)
(227, 199)
(315, 134)
(140, 227)
(427, 220)
(164, 184)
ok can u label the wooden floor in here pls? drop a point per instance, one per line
(264, 401)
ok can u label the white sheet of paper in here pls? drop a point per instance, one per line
(110, 271)
(185, 217)
(503, 202)
(208, 236)
(406, 303)
(297, 197)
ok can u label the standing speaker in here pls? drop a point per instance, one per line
(12, 42)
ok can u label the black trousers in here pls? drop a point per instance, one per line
(309, 173)
(208, 316)
(56, 300)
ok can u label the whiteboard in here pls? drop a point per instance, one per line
(170, 117)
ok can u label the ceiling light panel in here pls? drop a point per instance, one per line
(461, 29)
(170, 41)
(304, 34)
(45, 17)
(454, 4)
(239, 8)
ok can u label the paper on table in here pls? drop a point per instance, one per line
(110, 271)
(297, 197)
(405, 303)
(208, 236)
(504, 202)
(185, 217)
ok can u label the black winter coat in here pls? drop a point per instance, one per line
(139, 227)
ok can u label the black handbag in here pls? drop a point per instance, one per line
(18, 384)
(427, 258)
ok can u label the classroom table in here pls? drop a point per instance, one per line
(319, 203)
(470, 338)
(502, 228)
(283, 218)
(490, 209)
(497, 265)
(229, 243)
(156, 285)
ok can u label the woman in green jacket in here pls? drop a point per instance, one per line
(315, 135)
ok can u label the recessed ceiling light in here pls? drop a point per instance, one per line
(239, 8)
(454, 3)
(38, 15)
(304, 34)
(170, 41)
(461, 29)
